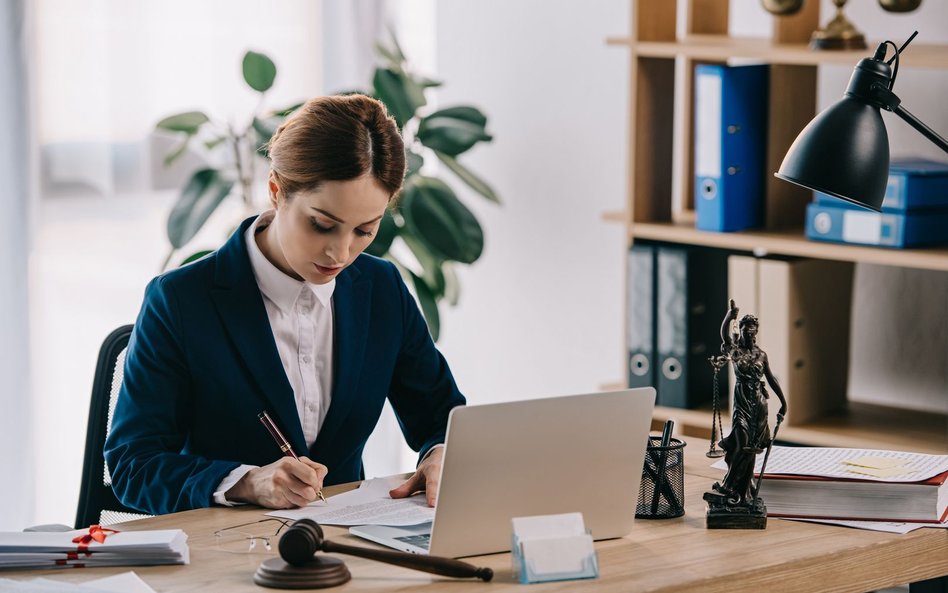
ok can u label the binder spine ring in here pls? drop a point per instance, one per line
(671, 368)
(639, 365)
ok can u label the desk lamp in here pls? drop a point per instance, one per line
(844, 151)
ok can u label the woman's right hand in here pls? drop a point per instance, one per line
(732, 309)
(286, 483)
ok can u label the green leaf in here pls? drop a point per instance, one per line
(429, 305)
(196, 256)
(396, 48)
(452, 286)
(177, 152)
(288, 110)
(399, 93)
(389, 54)
(450, 134)
(267, 127)
(430, 264)
(187, 122)
(415, 162)
(475, 182)
(466, 113)
(259, 71)
(387, 232)
(434, 215)
(214, 142)
(426, 82)
(203, 193)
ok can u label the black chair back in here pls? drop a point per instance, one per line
(97, 502)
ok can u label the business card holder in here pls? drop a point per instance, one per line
(542, 551)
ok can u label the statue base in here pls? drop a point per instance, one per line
(722, 515)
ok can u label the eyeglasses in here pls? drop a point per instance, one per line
(249, 538)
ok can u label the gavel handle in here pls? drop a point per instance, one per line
(448, 567)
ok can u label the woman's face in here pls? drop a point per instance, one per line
(317, 233)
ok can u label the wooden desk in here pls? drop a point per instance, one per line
(676, 555)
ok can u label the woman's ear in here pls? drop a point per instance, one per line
(273, 188)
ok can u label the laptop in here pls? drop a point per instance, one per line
(555, 455)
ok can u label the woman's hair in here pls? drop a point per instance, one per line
(337, 138)
(749, 321)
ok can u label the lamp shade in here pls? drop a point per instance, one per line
(843, 152)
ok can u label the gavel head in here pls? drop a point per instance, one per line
(303, 538)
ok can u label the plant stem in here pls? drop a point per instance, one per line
(245, 182)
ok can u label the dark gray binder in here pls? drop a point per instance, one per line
(640, 316)
(691, 300)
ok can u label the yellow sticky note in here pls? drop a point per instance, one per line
(881, 472)
(876, 462)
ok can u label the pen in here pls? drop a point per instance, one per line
(281, 441)
(660, 466)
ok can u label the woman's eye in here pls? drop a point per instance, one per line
(318, 227)
(361, 233)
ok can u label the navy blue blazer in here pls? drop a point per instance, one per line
(202, 364)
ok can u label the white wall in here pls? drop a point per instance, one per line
(541, 311)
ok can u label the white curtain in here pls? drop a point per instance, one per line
(16, 493)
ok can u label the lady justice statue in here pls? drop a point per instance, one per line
(733, 503)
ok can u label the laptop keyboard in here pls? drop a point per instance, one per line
(422, 540)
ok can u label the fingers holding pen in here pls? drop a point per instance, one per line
(285, 483)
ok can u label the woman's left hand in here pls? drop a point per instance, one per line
(427, 478)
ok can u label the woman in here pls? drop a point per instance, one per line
(750, 432)
(291, 318)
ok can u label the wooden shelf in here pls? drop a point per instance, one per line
(859, 426)
(791, 242)
(722, 47)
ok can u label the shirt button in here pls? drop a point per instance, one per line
(306, 359)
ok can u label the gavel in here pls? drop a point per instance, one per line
(301, 565)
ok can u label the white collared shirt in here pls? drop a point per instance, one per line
(301, 319)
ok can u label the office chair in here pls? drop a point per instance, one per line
(97, 502)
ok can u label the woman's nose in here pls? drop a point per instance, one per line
(338, 250)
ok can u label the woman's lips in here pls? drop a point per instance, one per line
(328, 271)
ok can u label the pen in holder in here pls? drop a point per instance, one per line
(662, 490)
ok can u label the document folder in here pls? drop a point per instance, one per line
(691, 294)
(640, 315)
(730, 145)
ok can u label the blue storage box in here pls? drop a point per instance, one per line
(842, 224)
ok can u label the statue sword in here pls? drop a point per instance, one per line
(763, 466)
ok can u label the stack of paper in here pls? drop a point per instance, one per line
(59, 550)
(127, 582)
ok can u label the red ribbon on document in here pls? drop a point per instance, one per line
(96, 532)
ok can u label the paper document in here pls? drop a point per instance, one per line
(370, 504)
(126, 582)
(837, 462)
(887, 526)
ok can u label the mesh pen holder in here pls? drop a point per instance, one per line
(662, 490)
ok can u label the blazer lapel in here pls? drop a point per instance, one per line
(351, 307)
(245, 320)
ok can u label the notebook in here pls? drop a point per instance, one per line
(579, 453)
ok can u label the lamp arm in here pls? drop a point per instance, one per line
(886, 99)
(921, 127)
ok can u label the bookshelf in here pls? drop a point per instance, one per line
(660, 148)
